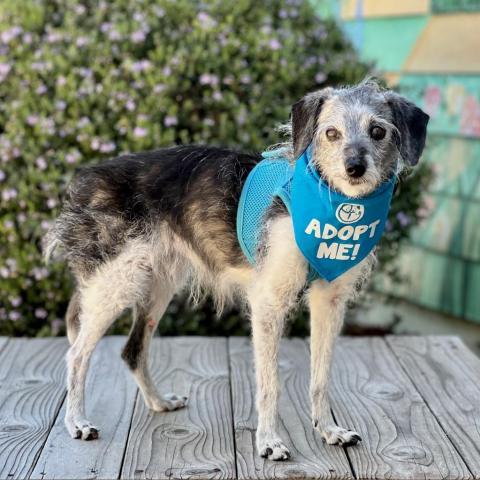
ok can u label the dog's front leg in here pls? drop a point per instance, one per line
(327, 307)
(274, 292)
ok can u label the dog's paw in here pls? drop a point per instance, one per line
(167, 403)
(273, 450)
(334, 435)
(82, 430)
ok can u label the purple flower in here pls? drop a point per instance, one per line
(4, 70)
(206, 20)
(114, 35)
(16, 301)
(217, 95)
(32, 120)
(11, 263)
(81, 41)
(85, 72)
(41, 89)
(159, 88)
(45, 224)
(51, 203)
(141, 66)
(8, 35)
(167, 71)
(53, 37)
(8, 224)
(107, 147)
(140, 132)
(95, 144)
(208, 79)
(83, 122)
(159, 11)
(138, 36)
(72, 157)
(14, 316)
(274, 44)
(170, 121)
(27, 38)
(403, 219)
(246, 78)
(130, 105)
(39, 273)
(60, 105)
(320, 77)
(21, 217)
(209, 122)
(2, 175)
(41, 163)
(105, 27)
(41, 313)
(9, 194)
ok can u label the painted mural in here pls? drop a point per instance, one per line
(435, 61)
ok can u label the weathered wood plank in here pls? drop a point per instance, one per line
(401, 438)
(110, 399)
(311, 458)
(194, 442)
(447, 375)
(32, 390)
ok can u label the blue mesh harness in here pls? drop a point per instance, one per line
(334, 232)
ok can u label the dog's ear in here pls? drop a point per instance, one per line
(411, 123)
(304, 118)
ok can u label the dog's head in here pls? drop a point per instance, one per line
(358, 134)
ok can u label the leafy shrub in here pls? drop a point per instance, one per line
(84, 81)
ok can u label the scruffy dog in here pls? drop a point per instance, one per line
(137, 229)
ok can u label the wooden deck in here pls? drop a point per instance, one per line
(414, 400)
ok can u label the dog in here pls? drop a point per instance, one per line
(137, 229)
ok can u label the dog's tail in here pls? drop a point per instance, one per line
(51, 245)
(72, 317)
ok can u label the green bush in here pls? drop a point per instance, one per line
(84, 81)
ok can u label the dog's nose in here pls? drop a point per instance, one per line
(355, 167)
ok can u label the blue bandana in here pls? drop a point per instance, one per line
(334, 232)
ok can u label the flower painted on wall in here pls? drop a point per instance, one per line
(470, 120)
(432, 99)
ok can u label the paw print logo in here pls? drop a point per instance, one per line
(350, 212)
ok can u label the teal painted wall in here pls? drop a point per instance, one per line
(376, 40)
(442, 260)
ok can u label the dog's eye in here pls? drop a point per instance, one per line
(377, 133)
(332, 134)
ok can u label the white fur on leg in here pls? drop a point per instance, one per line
(327, 303)
(115, 286)
(272, 294)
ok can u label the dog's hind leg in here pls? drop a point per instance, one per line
(273, 294)
(72, 317)
(136, 350)
(117, 285)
